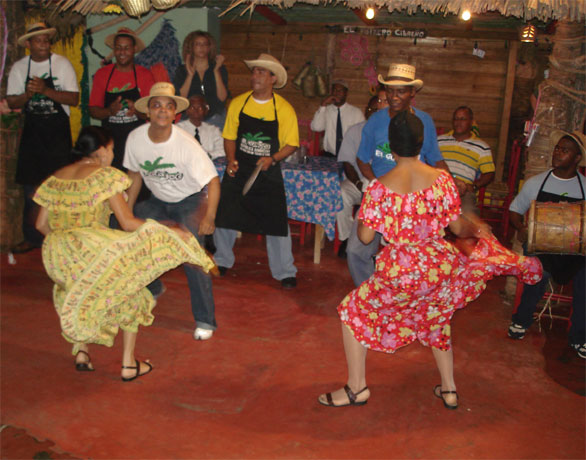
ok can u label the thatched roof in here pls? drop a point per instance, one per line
(544, 10)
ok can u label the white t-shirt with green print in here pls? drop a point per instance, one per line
(172, 170)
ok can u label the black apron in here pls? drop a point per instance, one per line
(264, 208)
(563, 268)
(45, 143)
(120, 125)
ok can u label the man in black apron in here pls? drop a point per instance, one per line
(117, 86)
(43, 85)
(563, 183)
(261, 130)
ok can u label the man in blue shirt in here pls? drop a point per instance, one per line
(375, 158)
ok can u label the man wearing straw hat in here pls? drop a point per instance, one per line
(117, 86)
(176, 170)
(563, 183)
(375, 158)
(260, 131)
(44, 85)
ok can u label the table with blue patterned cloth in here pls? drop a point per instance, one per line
(313, 195)
(312, 189)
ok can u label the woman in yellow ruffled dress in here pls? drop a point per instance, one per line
(101, 274)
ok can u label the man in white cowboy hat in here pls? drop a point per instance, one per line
(117, 86)
(44, 85)
(335, 116)
(562, 183)
(176, 170)
(375, 158)
(260, 131)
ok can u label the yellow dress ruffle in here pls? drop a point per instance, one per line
(101, 274)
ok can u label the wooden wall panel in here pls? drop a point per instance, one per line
(452, 75)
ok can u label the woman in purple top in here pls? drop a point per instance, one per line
(203, 73)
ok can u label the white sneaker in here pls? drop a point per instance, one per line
(202, 334)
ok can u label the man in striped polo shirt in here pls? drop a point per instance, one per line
(468, 157)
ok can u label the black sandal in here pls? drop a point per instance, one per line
(84, 367)
(351, 398)
(137, 367)
(441, 395)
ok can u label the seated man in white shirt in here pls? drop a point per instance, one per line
(334, 117)
(209, 136)
(354, 182)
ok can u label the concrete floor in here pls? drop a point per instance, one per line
(250, 392)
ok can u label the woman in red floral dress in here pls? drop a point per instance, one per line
(420, 279)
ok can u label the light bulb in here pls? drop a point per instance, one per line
(370, 13)
(466, 15)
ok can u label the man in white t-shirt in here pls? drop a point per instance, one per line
(176, 170)
(208, 136)
(44, 86)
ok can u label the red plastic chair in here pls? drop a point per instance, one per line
(500, 204)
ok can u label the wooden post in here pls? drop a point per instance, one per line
(506, 114)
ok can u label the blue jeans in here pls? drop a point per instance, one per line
(532, 294)
(278, 251)
(186, 212)
(360, 255)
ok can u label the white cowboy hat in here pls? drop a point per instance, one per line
(37, 28)
(401, 75)
(161, 88)
(580, 139)
(125, 32)
(266, 61)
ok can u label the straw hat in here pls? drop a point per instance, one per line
(125, 32)
(557, 134)
(161, 88)
(38, 28)
(340, 82)
(401, 75)
(266, 61)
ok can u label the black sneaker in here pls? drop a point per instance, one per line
(289, 283)
(516, 331)
(580, 349)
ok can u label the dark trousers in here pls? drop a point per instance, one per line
(29, 217)
(533, 294)
(186, 212)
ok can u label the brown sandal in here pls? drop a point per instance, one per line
(351, 398)
(441, 394)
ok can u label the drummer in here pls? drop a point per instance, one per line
(261, 130)
(563, 183)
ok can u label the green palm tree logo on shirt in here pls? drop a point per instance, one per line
(150, 167)
(258, 137)
(385, 148)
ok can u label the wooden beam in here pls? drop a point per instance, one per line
(269, 14)
(506, 114)
(361, 13)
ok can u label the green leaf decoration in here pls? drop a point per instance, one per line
(256, 137)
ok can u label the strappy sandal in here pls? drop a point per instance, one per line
(137, 367)
(441, 394)
(351, 398)
(84, 367)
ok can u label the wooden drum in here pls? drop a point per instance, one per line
(557, 228)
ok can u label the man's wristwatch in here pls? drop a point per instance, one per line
(274, 161)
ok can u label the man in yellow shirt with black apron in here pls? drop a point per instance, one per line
(261, 130)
